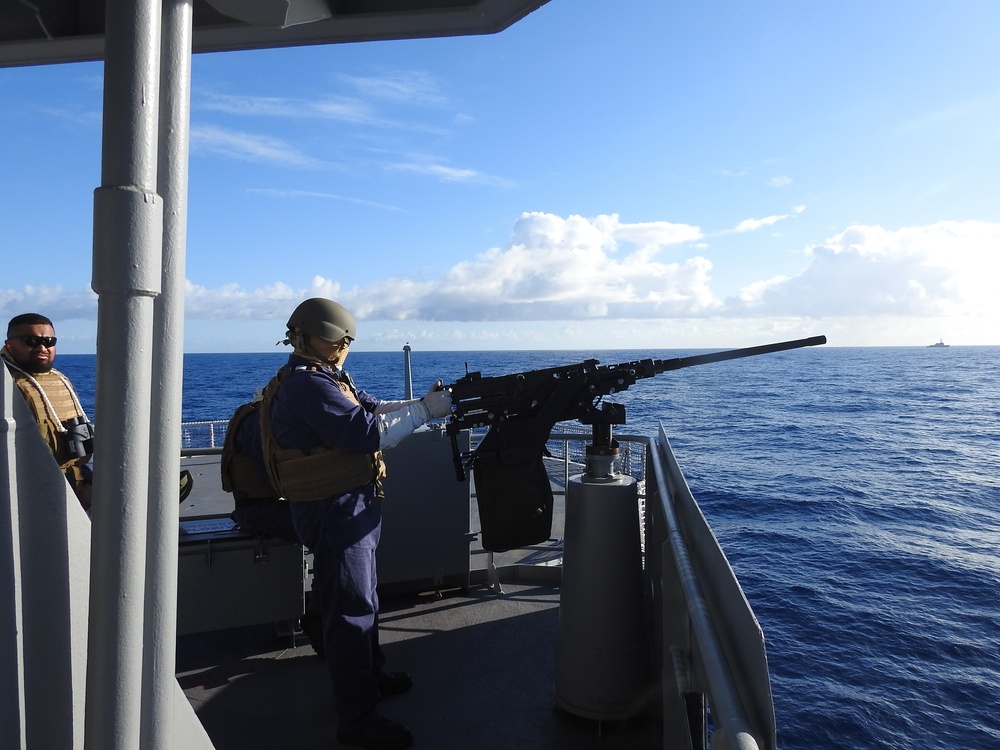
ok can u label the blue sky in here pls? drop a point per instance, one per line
(666, 175)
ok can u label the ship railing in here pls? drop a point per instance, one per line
(569, 444)
(198, 436)
(713, 662)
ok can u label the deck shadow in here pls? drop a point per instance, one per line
(483, 667)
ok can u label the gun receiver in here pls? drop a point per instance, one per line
(521, 409)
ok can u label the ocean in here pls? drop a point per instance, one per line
(855, 491)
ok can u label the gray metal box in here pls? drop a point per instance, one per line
(426, 514)
(229, 578)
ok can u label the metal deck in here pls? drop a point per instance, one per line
(483, 667)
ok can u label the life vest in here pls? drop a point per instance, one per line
(323, 471)
(57, 411)
(239, 472)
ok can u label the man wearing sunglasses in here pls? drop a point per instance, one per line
(322, 440)
(30, 353)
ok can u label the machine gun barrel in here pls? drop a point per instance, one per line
(665, 365)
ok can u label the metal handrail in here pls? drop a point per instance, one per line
(733, 728)
(215, 429)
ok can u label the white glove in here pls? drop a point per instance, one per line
(385, 407)
(438, 401)
(398, 424)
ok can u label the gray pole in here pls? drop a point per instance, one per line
(159, 683)
(408, 382)
(127, 248)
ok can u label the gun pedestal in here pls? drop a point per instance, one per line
(602, 658)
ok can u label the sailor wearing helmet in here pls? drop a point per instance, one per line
(322, 439)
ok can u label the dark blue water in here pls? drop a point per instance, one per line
(856, 493)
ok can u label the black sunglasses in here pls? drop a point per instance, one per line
(33, 341)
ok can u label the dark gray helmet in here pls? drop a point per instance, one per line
(323, 318)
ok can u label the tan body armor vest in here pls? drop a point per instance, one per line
(324, 471)
(54, 404)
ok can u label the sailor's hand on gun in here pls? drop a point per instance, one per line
(438, 400)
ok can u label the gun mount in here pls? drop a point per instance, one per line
(520, 410)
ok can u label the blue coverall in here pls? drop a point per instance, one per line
(342, 532)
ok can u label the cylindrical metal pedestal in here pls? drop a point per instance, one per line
(602, 658)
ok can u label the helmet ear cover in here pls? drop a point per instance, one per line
(323, 318)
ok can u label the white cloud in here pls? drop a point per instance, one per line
(248, 147)
(947, 268)
(731, 172)
(600, 270)
(750, 225)
(270, 106)
(411, 87)
(552, 269)
(232, 302)
(402, 87)
(323, 196)
(343, 109)
(397, 89)
(55, 302)
(444, 173)
(602, 275)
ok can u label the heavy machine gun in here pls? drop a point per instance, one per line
(520, 410)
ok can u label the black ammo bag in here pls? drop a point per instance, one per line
(514, 496)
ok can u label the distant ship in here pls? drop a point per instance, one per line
(940, 344)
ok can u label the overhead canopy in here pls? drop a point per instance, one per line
(37, 32)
